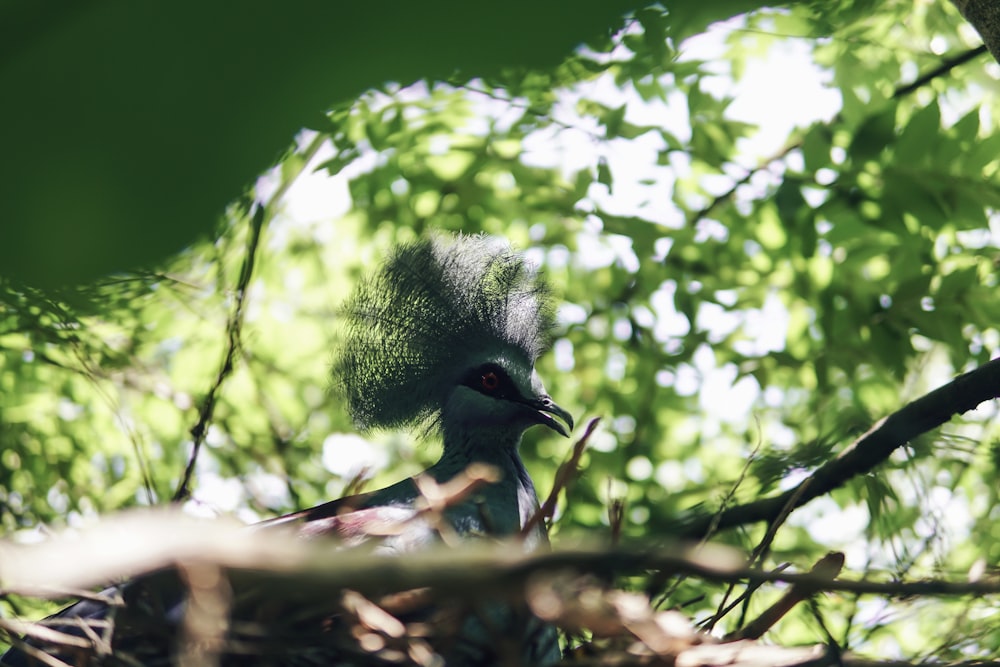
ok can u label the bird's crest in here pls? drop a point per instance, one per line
(436, 307)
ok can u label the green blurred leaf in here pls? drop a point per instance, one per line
(120, 148)
(918, 140)
(874, 134)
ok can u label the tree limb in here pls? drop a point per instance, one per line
(960, 395)
(134, 543)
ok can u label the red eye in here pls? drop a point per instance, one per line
(490, 381)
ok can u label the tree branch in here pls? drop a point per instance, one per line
(946, 66)
(135, 543)
(960, 395)
(234, 327)
(234, 330)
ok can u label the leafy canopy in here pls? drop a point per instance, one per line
(736, 318)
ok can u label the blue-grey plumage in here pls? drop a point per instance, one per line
(443, 337)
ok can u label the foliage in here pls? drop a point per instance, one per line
(100, 87)
(736, 320)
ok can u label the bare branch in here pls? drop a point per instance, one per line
(829, 565)
(135, 543)
(234, 330)
(234, 327)
(962, 394)
(567, 471)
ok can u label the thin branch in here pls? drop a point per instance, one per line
(829, 565)
(234, 329)
(945, 67)
(962, 394)
(567, 471)
(234, 326)
(148, 541)
(706, 210)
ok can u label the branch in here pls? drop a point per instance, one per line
(960, 395)
(234, 326)
(233, 329)
(830, 566)
(293, 585)
(132, 544)
(945, 67)
(567, 471)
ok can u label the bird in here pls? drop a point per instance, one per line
(442, 338)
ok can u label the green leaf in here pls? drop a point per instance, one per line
(643, 232)
(612, 120)
(126, 147)
(604, 173)
(816, 147)
(690, 17)
(654, 32)
(874, 134)
(918, 140)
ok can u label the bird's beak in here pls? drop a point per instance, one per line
(545, 408)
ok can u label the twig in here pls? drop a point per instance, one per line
(829, 565)
(262, 214)
(234, 331)
(743, 598)
(567, 471)
(945, 67)
(436, 498)
(15, 628)
(37, 654)
(658, 581)
(772, 528)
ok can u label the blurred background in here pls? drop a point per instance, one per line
(766, 232)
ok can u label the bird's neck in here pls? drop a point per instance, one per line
(512, 500)
(482, 444)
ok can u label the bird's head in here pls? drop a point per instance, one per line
(446, 332)
(504, 397)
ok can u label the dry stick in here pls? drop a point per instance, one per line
(460, 573)
(960, 395)
(42, 657)
(15, 628)
(341, 520)
(305, 568)
(206, 614)
(564, 475)
(758, 556)
(436, 498)
(829, 565)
